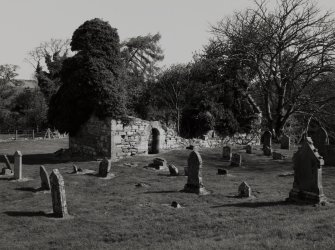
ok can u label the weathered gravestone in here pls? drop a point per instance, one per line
(6, 171)
(45, 181)
(248, 149)
(159, 164)
(226, 153)
(320, 140)
(285, 142)
(236, 160)
(7, 162)
(173, 170)
(278, 156)
(194, 180)
(222, 171)
(307, 185)
(104, 167)
(267, 139)
(267, 151)
(17, 165)
(244, 190)
(58, 194)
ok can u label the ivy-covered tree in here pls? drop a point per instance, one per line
(90, 78)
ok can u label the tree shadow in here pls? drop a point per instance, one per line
(28, 214)
(260, 204)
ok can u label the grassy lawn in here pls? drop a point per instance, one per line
(115, 214)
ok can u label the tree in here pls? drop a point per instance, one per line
(90, 78)
(285, 50)
(8, 74)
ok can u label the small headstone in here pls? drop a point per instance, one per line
(244, 190)
(222, 171)
(160, 164)
(7, 162)
(267, 139)
(58, 194)
(17, 165)
(236, 160)
(267, 151)
(6, 171)
(75, 169)
(104, 167)
(248, 149)
(45, 182)
(307, 185)
(194, 181)
(278, 156)
(175, 204)
(285, 142)
(226, 153)
(173, 170)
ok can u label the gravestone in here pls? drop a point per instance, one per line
(6, 171)
(222, 171)
(74, 169)
(226, 153)
(194, 180)
(285, 142)
(267, 151)
(104, 167)
(248, 149)
(236, 160)
(244, 190)
(267, 139)
(159, 164)
(45, 182)
(58, 194)
(278, 156)
(17, 165)
(7, 162)
(320, 140)
(307, 185)
(173, 170)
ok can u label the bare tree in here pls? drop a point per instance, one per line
(289, 49)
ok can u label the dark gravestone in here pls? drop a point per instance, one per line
(278, 156)
(45, 182)
(267, 139)
(244, 190)
(104, 167)
(248, 149)
(285, 142)
(173, 170)
(222, 171)
(58, 194)
(160, 164)
(226, 153)
(307, 185)
(194, 180)
(267, 151)
(236, 160)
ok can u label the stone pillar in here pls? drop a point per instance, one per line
(58, 194)
(18, 165)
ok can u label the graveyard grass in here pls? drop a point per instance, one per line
(115, 214)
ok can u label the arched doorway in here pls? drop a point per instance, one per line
(154, 141)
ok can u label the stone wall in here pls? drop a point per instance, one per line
(117, 140)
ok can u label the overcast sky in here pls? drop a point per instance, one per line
(183, 24)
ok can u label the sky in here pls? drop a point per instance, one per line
(183, 24)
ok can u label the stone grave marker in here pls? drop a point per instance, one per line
(278, 156)
(248, 149)
(173, 170)
(58, 194)
(226, 153)
(104, 167)
(45, 182)
(236, 160)
(244, 190)
(222, 171)
(267, 139)
(320, 140)
(17, 165)
(194, 181)
(267, 151)
(285, 142)
(307, 185)
(160, 164)
(7, 162)
(6, 171)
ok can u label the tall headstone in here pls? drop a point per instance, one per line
(104, 167)
(58, 194)
(7, 162)
(236, 160)
(17, 165)
(267, 139)
(307, 185)
(320, 140)
(285, 142)
(45, 181)
(226, 153)
(194, 180)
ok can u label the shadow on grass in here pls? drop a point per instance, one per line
(40, 159)
(162, 192)
(31, 189)
(257, 204)
(28, 214)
